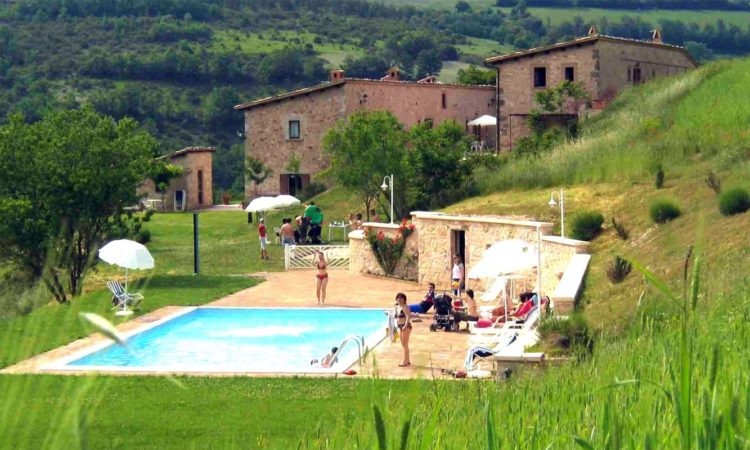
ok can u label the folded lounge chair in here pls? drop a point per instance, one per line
(123, 300)
(476, 354)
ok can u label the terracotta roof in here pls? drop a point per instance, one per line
(580, 41)
(332, 84)
(187, 150)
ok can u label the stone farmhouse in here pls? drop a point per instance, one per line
(294, 123)
(280, 127)
(193, 190)
(605, 65)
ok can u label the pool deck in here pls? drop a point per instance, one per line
(430, 351)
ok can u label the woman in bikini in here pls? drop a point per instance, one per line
(403, 322)
(322, 278)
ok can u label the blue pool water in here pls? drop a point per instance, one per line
(242, 340)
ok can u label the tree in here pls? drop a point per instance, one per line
(699, 51)
(463, 6)
(476, 76)
(256, 171)
(64, 182)
(441, 173)
(363, 150)
(553, 100)
(161, 173)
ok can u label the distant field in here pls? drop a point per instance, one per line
(484, 48)
(449, 73)
(558, 15)
(274, 40)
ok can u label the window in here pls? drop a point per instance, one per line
(570, 74)
(629, 78)
(636, 75)
(294, 129)
(540, 77)
(445, 101)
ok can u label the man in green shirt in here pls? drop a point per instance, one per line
(314, 213)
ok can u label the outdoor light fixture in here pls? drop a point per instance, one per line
(552, 203)
(388, 184)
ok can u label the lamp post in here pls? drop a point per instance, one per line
(553, 203)
(388, 184)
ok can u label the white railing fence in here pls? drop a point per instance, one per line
(303, 256)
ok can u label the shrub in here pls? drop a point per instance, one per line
(620, 229)
(713, 182)
(568, 334)
(147, 215)
(663, 211)
(659, 178)
(586, 225)
(143, 236)
(734, 201)
(618, 270)
(311, 190)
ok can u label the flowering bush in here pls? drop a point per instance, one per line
(388, 250)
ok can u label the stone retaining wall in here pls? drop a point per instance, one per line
(427, 257)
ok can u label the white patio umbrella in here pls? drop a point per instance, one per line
(484, 121)
(505, 257)
(284, 200)
(127, 254)
(262, 204)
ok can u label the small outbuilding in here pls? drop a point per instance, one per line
(190, 191)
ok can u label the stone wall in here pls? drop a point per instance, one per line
(267, 134)
(427, 257)
(362, 259)
(556, 254)
(518, 91)
(618, 59)
(435, 250)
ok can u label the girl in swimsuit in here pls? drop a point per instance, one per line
(404, 325)
(322, 278)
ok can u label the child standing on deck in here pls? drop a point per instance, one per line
(263, 238)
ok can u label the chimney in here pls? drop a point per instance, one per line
(336, 75)
(593, 31)
(393, 74)
(430, 79)
(656, 36)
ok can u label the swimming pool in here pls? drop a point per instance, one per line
(237, 340)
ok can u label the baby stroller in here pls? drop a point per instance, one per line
(443, 317)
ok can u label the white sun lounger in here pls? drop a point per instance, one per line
(479, 352)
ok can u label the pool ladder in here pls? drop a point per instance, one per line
(361, 348)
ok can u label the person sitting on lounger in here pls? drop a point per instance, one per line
(471, 314)
(526, 299)
(429, 300)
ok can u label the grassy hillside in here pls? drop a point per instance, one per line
(690, 125)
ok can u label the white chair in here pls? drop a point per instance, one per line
(277, 235)
(123, 300)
